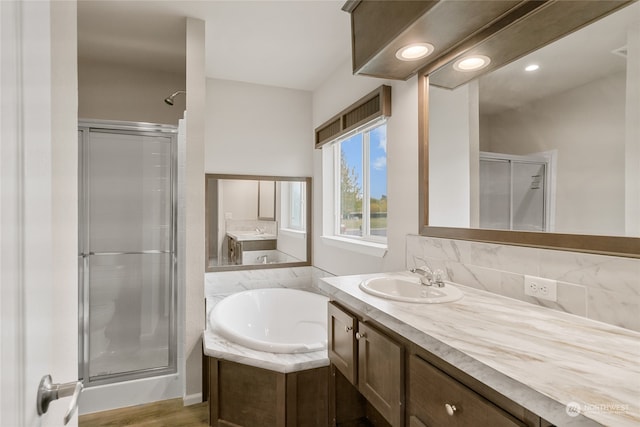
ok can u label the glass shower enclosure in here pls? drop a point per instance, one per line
(127, 252)
(513, 192)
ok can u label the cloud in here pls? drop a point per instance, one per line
(380, 163)
(382, 143)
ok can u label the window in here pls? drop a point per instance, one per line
(293, 205)
(354, 174)
(360, 184)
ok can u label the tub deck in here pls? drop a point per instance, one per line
(213, 345)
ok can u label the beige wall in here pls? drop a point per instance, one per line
(194, 200)
(258, 130)
(587, 127)
(632, 146)
(112, 91)
(338, 92)
(452, 145)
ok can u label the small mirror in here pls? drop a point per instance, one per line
(257, 222)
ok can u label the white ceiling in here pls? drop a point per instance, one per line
(297, 44)
(575, 60)
(292, 44)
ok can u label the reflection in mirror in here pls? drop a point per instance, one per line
(267, 200)
(257, 222)
(553, 148)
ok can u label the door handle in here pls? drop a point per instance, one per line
(49, 391)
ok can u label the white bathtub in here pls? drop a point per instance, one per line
(273, 320)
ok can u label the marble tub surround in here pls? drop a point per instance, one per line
(541, 359)
(599, 287)
(218, 285)
(228, 282)
(216, 346)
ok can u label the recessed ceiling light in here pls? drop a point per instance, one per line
(532, 67)
(414, 51)
(471, 63)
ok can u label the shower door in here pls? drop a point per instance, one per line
(127, 255)
(512, 193)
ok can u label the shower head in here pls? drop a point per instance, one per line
(169, 100)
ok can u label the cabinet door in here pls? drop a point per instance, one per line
(380, 373)
(342, 343)
(436, 400)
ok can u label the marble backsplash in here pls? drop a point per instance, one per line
(599, 287)
(224, 283)
(267, 227)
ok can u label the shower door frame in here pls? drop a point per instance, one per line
(549, 159)
(85, 126)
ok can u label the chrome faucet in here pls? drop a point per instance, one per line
(428, 277)
(438, 279)
(425, 273)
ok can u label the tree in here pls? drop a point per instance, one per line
(351, 193)
(379, 205)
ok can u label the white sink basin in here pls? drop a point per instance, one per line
(409, 289)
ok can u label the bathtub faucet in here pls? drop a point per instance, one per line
(262, 259)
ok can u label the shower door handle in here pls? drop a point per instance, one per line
(48, 392)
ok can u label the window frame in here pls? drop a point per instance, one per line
(287, 208)
(336, 154)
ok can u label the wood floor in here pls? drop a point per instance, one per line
(168, 413)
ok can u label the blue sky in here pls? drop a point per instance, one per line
(352, 149)
(378, 153)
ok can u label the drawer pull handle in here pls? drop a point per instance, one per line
(451, 409)
(348, 328)
(360, 335)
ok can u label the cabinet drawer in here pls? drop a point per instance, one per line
(436, 400)
(342, 342)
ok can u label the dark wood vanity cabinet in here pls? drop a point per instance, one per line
(383, 370)
(371, 361)
(342, 342)
(238, 247)
(381, 373)
(436, 399)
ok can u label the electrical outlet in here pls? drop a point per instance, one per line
(540, 288)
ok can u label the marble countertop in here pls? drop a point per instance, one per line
(542, 359)
(244, 236)
(215, 346)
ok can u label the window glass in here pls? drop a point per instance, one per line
(361, 184)
(378, 181)
(351, 186)
(296, 206)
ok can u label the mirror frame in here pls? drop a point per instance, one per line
(208, 231)
(605, 245)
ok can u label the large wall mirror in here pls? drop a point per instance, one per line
(257, 222)
(544, 151)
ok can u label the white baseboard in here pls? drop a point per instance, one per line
(129, 393)
(192, 399)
